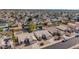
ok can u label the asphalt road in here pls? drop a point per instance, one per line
(64, 45)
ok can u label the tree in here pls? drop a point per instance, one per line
(32, 26)
(1, 29)
(13, 37)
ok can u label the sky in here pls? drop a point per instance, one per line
(39, 4)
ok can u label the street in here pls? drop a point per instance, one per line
(64, 45)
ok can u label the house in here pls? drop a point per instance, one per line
(16, 27)
(4, 25)
(40, 33)
(76, 18)
(62, 27)
(55, 21)
(3, 39)
(22, 36)
(72, 25)
(77, 25)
